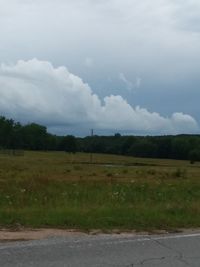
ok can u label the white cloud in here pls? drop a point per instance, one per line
(36, 91)
(146, 37)
(130, 85)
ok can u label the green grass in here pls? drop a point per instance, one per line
(44, 189)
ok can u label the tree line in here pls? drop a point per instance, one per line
(32, 136)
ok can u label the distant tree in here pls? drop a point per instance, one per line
(16, 141)
(194, 155)
(52, 142)
(127, 143)
(180, 147)
(143, 148)
(117, 135)
(6, 131)
(35, 136)
(69, 144)
(163, 146)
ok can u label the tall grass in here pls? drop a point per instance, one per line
(48, 190)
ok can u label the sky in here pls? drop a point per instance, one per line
(128, 66)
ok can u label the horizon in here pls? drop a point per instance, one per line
(97, 133)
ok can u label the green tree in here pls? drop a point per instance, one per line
(69, 144)
(194, 155)
(35, 136)
(6, 131)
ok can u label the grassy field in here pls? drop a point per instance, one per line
(54, 189)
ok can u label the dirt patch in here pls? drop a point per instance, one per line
(34, 234)
(9, 235)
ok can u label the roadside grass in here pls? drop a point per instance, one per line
(54, 189)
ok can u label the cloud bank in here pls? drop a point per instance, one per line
(37, 91)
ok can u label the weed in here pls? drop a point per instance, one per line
(151, 172)
(179, 173)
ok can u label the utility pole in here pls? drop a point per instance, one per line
(91, 155)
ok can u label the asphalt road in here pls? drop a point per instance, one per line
(123, 250)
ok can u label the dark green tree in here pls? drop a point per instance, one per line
(194, 155)
(35, 136)
(69, 144)
(6, 132)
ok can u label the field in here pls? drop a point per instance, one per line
(55, 189)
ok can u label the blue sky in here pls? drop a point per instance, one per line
(115, 66)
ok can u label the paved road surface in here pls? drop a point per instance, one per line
(124, 250)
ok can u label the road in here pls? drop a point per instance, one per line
(124, 250)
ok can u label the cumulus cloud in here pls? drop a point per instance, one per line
(37, 91)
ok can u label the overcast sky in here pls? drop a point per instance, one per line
(116, 66)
